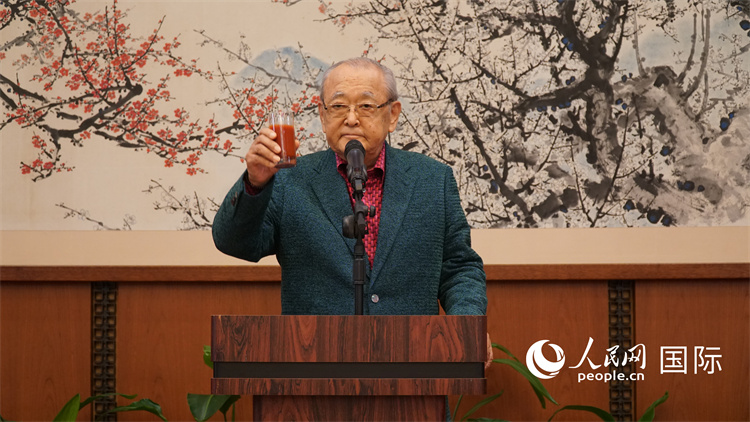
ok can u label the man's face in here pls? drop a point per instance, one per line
(351, 86)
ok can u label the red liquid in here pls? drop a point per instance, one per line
(285, 139)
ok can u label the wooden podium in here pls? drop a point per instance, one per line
(372, 368)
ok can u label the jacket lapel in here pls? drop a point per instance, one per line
(398, 188)
(330, 189)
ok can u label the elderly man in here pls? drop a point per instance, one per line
(418, 241)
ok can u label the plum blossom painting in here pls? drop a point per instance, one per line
(136, 115)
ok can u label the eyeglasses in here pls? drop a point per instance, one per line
(364, 110)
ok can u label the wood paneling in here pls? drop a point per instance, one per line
(688, 314)
(163, 321)
(45, 335)
(565, 313)
(161, 331)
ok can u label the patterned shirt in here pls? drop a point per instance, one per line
(373, 197)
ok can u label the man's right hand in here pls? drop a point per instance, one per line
(261, 158)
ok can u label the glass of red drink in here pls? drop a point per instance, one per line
(283, 124)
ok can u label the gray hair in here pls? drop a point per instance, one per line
(361, 62)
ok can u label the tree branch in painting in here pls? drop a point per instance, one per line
(534, 107)
(127, 222)
(95, 81)
(196, 213)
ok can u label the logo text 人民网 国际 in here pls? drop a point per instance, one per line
(622, 364)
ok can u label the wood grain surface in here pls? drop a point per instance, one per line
(309, 338)
(358, 408)
(349, 387)
(45, 348)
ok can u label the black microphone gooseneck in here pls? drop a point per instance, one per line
(355, 225)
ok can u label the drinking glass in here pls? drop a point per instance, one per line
(283, 124)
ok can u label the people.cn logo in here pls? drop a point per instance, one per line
(539, 365)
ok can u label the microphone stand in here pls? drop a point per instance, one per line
(355, 227)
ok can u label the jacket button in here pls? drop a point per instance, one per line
(375, 298)
(234, 199)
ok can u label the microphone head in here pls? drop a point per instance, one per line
(354, 144)
(355, 167)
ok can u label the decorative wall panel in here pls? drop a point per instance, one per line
(133, 115)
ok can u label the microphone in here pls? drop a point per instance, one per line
(356, 171)
(355, 226)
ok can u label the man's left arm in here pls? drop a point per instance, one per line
(463, 288)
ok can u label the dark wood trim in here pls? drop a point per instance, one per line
(618, 271)
(166, 273)
(269, 273)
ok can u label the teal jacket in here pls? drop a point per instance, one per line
(423, 252)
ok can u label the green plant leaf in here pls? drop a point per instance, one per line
(455, 409)
(230, 402)
(505, 350)
(481, 404)
(233, 419)
(69, 412)
(603, 415)
(207, 356)
(92, 398)
(539, 389)
(145, 405)
(204, 406)
(649, 414)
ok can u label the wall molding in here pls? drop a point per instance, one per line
(272, 273)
